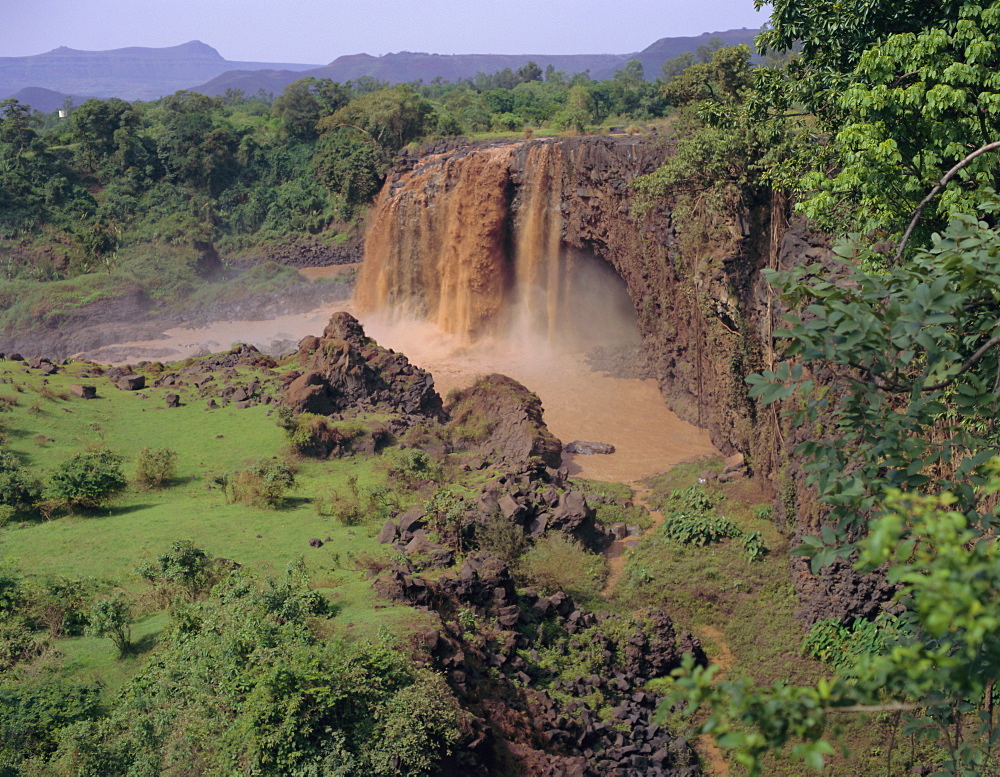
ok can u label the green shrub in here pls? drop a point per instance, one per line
(263, 484)
(112, 618)
(354, 506)
(155, 468)
(753, 544)
(832, 642)
(448, 517)
(185, 566)
(18, 489)
(59, 604)
(18, 643)
(690, 518)
(698, 528)
(503, 537)
(559, 563)
(88, 479)
(411, 466)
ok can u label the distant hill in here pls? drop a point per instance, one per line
(132, 73)
(44, 100)
(409, 66)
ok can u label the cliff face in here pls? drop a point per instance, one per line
(705, 314)
(472, 238)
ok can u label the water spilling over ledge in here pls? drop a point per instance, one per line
(473, 244)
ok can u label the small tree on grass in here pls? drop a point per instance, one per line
(18, 489)
(185, 565)
(112, 618)
(155, 468)
(262, 484)
(88, 479)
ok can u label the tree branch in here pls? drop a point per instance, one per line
(937, 188)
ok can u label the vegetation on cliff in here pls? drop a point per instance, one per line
(888, 364)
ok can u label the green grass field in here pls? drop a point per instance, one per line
(47, 427)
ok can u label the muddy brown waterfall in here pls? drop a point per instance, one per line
(458, 244)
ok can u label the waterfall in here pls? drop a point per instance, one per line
(460, 243)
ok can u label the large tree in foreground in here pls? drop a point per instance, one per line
(903, 91)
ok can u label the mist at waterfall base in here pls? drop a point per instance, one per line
(579, 403)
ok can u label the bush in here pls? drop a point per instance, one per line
(112, 618)
(263, 484)
(184, 565)
(18, 489)
(559, 563)
(88, 479)
(155, 468)
(697, 528)
(692, 520)
(59, 604)
(832, 642)
(502, 537)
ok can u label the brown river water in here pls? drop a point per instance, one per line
(579, 404)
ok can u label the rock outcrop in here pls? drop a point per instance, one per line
(589, 720)
(346, 369)
(500, 419)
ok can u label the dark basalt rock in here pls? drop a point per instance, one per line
(131, 382)
(345, 369)
(501, 420)
(498, 678)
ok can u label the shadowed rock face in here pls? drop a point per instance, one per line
(345, 368)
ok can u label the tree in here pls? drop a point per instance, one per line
(348, 163)
(938, 675)
(911, 355)
(299, 109)
(903, 90)
(529, 72)
(15, 128)
(391, 117)
(724, 78)
(112, 618)
(88, 480)
(672, 68)
(304, 102)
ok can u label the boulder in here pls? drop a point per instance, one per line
(132, 382)
(501, 420)
(344, 368)
(412, 520)
(172, 400)
(83, 392)
(589, 448)
(388, 533)
(315, 542)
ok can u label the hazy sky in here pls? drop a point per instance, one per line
(318, 31)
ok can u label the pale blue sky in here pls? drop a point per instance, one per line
(318, 31)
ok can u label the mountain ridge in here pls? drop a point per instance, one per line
(142, 73)
(131, 73)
